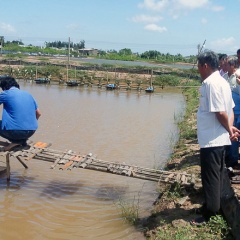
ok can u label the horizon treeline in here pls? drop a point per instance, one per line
(57, 47)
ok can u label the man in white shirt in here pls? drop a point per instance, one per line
(215, 131)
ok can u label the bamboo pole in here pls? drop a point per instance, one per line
(8, 166)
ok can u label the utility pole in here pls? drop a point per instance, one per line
(68, 50)
(68, 56)
(200, 49)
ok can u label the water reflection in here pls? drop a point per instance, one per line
(57, 189)
(110, 192)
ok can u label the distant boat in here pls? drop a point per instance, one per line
(111, 86)
(149, 89)
(72, 83)
(42, 80)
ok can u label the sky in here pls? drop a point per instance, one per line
(167, 26)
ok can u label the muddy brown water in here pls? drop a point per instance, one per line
(131, 127)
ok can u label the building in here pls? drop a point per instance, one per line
(88, 51)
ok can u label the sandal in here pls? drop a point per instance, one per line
(198, 221)
(236, 167)
(235, 179)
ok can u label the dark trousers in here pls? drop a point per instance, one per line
(212, 171)
(15, 135)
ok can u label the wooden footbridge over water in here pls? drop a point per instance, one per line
(68, 160)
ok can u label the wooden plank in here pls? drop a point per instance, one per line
(41, 144)
(72, 160)
(86, 163)
(33, 153)
(101, 169)
(109, 168)
(85, 158)
(52, 160)
(4, 143)
(66, 165)
(11, 146)
(20, 160)
(170, 176)
(76, 160)
(128, 172)
(66, 157)
(19, 153)
(8, 166)
(45, 157)
(59, 159)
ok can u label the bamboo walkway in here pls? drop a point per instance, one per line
(68, 160)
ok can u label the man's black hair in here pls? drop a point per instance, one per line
(210, 58)
(222, 56)
(6, 82)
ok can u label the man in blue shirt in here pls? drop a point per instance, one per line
(20, 112)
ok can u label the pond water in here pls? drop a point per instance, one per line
(120, 126)
(133, 63)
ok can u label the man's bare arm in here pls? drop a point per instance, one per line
(228, 125)
(38, 114)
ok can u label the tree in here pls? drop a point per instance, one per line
(125, 51)
(1, 41)
(101, 52)
(112, 51)
(82, 44)
(17, 42)
(59, 44)
(152, 54)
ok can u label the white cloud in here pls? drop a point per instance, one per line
(155, 28)
(192, 4)
(177, 6)
(217, 8)
(173, 9)
(7, 28)
(224, 41)
(145, 18)
(224, 45)
(154, 5)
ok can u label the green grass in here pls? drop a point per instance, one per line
(216, 228)
(129, 210)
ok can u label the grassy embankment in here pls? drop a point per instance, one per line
(175, 206)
